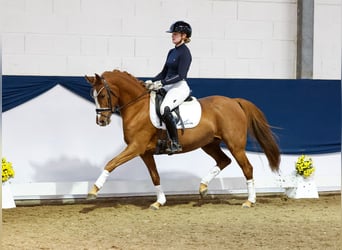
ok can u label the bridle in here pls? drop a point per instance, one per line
(112, 109)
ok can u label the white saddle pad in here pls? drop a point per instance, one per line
(189, 111)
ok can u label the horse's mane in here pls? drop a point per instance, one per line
(125, 74)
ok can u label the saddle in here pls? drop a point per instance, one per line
(160, 95)
(187, 115)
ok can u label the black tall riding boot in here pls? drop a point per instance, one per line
(172, 132)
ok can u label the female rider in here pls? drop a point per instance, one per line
(173, 79)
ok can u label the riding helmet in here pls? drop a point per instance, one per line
(182, 27)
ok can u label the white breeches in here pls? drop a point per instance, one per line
(176, 94)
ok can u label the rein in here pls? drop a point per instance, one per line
(116, 109)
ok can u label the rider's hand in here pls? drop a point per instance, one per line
(148, 83)
(155, 85)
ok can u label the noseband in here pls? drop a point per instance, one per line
(109, 93)
(112, 109)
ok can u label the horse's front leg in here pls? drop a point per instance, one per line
(152, 168)
(129, 153)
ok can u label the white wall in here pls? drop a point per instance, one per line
(231, 38)
(327, 39)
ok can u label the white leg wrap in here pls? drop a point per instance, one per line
(102, 179)
(251, 191)
(211, 175)
(160, 195)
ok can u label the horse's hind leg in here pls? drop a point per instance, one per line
(247, 169)
(222, 160)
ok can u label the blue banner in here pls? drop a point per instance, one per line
(305, 114)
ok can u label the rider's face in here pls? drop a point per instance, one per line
(177, 38)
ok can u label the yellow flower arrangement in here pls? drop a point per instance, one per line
(7, 170)
(304, 166)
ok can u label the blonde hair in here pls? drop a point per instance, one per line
(187, 40)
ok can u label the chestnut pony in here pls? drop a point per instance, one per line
(223, 120)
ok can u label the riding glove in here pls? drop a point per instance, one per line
(154, 85)
(147, 83)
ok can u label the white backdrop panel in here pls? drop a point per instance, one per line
(57, 149)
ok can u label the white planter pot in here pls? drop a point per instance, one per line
(7, 196)
(302, 188)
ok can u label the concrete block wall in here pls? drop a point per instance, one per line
(327, 39)
(231, 38)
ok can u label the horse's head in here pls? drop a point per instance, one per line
(105, 99)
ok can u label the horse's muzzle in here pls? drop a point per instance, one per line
(103, 121)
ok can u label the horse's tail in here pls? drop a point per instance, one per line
(260, 130)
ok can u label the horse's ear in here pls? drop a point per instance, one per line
(97, 77)
(90, 79)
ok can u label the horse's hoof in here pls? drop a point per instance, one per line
(91, 196)
(155, 206)
(247, 204)
(203, 190)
